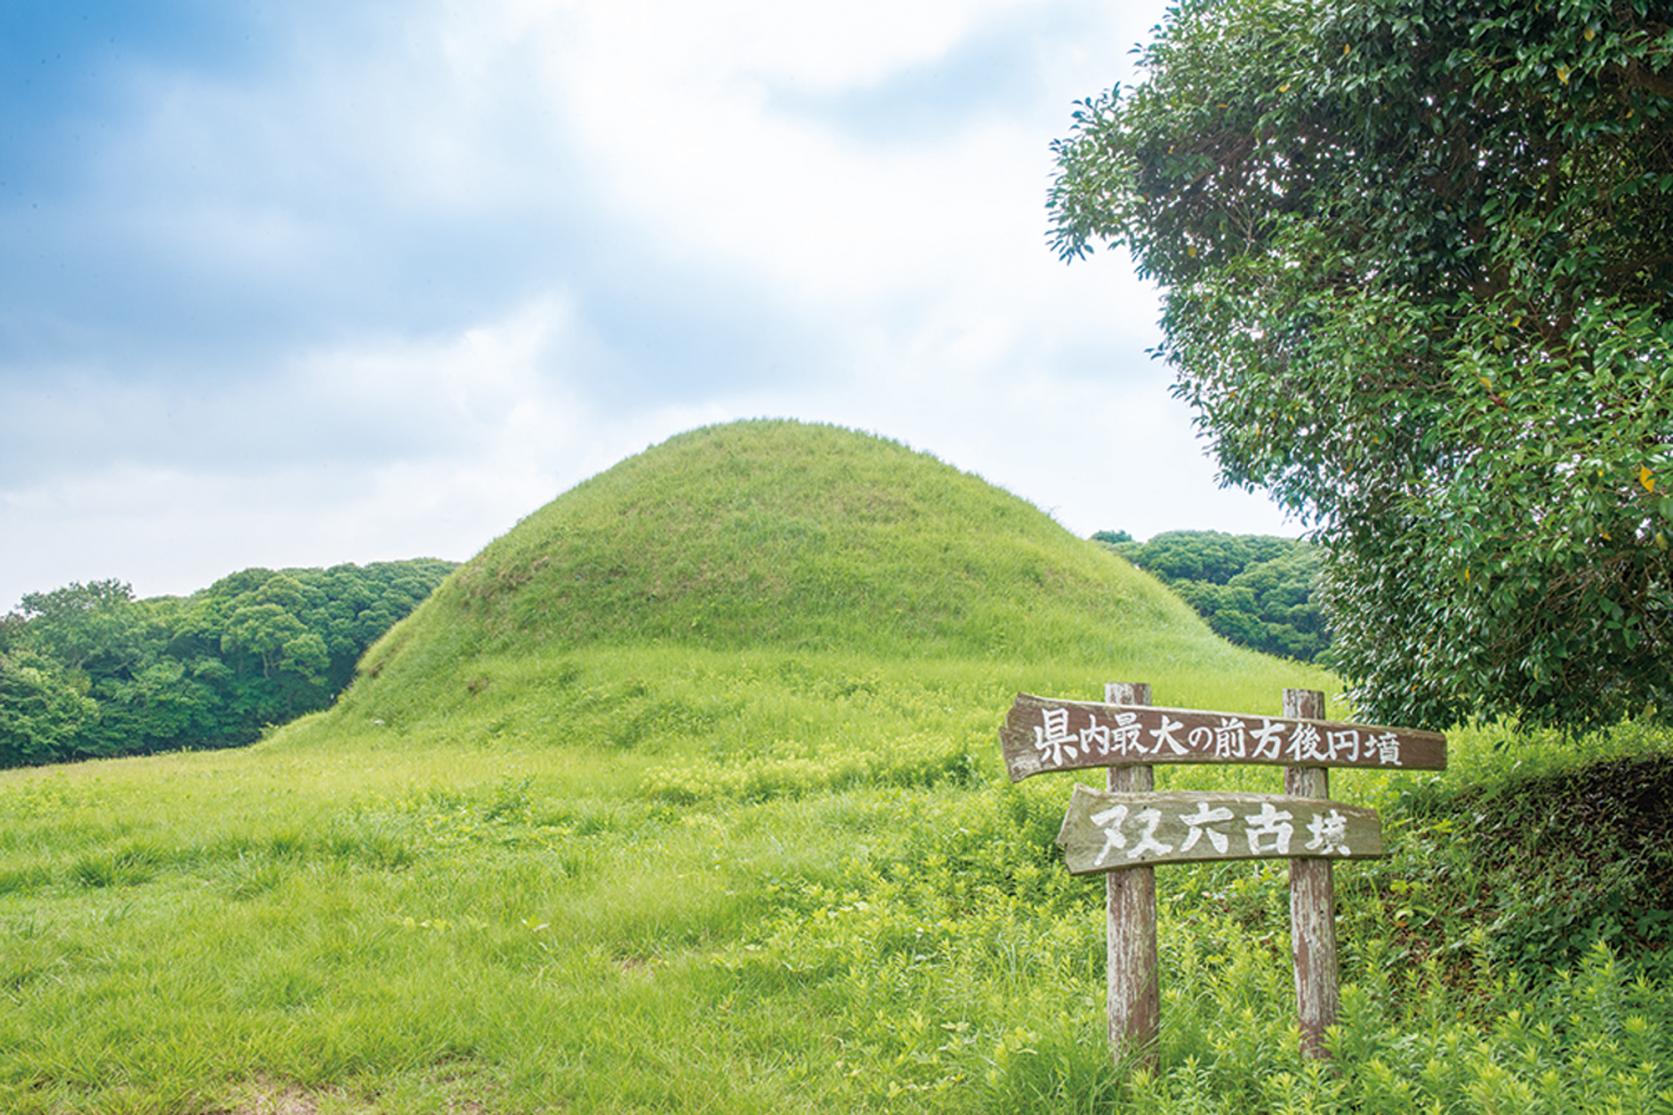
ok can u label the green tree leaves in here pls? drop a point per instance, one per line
(41, 713)
(1256, 590)
(87, 670)
(1418, 286)
(78, 623)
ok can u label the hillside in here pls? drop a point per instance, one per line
(799, 557)
(684, 796)
(796, 538)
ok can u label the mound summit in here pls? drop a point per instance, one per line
(795, 536)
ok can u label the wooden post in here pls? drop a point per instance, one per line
(1312, 901)
(1135, 1003)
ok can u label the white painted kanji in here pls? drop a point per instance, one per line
(1095, 735)
(1052, 738)
(1306, 746)
(1126, 735)
(1201, 822)
(1343, 745)
(1164, 736)
(1229, 740)
(1268, 739)
(1329, 832)
(1269, 831)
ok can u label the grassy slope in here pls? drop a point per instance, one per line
(802, 538)
(684, 795)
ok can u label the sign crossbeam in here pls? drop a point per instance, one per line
(1043, 734)
(1107, 832)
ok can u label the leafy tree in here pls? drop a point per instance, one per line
(162, 705)
(1256, 590)
(41, 713)
(11, 628)
(1283, 595)
(1206, 555)
(267, 632)
(79, 623)
(1418, 284)
(87, 670)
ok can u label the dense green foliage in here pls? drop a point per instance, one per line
(1559, 860)
(1417, 281)
(88, 671)
(530, 863)
(1257, 590)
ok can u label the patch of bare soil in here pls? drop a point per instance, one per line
(269, 1099)
(266, 1097)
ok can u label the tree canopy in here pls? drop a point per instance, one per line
(87, 670)
(1254, 589)
(1417, 259)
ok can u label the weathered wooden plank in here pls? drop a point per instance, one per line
(1312, 902)
(1107, 832)
(1044, 734)
(1134, 1000)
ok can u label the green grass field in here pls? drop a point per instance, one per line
(684, 796)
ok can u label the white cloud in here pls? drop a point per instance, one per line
(705, 147)
(488, 424)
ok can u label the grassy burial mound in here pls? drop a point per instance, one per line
(684, 795)
(795, 539)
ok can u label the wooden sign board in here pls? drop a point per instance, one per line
(1107, 832)
(1044, 734)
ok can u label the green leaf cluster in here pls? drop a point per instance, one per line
(1418, 285)
(87, 670)
(1256, 590)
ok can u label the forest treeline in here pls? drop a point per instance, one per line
(89, 671)
(1254, 589)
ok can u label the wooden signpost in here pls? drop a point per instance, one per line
(1129, 828)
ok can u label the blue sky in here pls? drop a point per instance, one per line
(299, 283)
